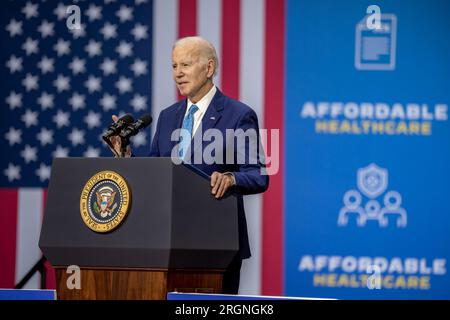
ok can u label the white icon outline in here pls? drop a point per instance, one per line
(379, 178)
(362, 26)
(372, 209)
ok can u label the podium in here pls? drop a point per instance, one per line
(175, 236)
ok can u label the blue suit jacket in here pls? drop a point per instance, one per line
(222, 113)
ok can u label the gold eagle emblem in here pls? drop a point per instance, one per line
(105, 199)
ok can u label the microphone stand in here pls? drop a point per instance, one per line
(38, 267)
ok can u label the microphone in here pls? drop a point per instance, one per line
(134, 128)
(116, 127)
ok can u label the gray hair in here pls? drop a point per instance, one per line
(206, 48)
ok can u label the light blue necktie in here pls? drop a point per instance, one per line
(188, 124)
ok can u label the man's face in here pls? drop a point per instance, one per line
(189, 71)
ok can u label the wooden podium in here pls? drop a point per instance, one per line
(175, 237)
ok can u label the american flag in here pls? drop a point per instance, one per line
(60, 87)
(59, 90)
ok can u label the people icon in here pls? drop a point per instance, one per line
(352, 204)
(372, 181)
(392, 206)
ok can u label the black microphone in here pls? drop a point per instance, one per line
(134, 128)
(116, 127)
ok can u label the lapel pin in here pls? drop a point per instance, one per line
(213, 118)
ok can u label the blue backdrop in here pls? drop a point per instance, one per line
(367, 150)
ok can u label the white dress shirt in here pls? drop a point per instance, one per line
(202, 106)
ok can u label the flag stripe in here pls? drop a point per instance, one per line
(251, 72)
(272, 265)
(187, 23)
(8, 236)
(165, 32)
(28, 230)
(50, 282)
(252, 93)
(187, 18)
(230, 48)
(210, 27)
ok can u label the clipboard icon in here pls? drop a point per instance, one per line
(375, 49)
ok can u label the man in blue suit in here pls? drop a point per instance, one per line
(194, 64)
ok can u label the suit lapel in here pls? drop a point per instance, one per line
(179, 116)
(181, 111)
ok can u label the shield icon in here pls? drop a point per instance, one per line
(372, 180)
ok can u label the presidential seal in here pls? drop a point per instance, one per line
(105, 201)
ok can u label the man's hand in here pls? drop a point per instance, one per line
(220, 182)
(117, 143)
